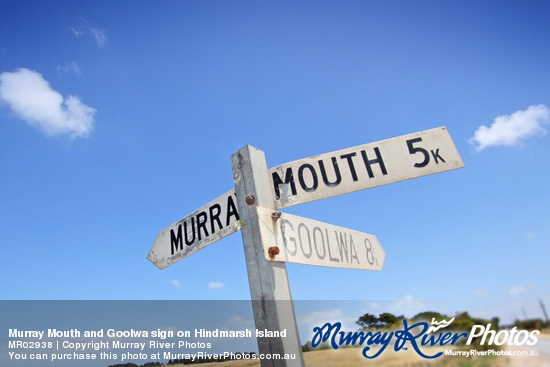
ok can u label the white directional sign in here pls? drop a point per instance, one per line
(363, 167)
(314, 178)
(199, 229)
(304, 241)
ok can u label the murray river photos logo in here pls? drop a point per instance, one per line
(418, 335)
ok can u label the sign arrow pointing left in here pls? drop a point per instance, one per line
(199, 229)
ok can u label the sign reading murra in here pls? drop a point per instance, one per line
(199, 229)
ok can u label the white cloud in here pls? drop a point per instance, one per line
(510, 130)
(70, 67)
(408, 306)
(320, 317)
(216, 285)
(175, 283)
(32, 99)
(87, 29)
(531, 236)
(517, 290)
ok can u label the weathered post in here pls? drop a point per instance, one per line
(269, 288)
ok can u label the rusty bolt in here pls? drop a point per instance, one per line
(250, 200)
(273, 251)
(276, 215)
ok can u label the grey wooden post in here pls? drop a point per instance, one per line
(269, 288)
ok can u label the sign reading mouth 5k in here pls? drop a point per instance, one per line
(419, 335)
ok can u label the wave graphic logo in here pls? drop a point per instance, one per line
(439, 325)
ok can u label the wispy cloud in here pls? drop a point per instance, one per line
(87, 29)
(32, 99)
(175, 283)
(71, 67)
(216, 285)
(517, 291)
(332, 315)
(513, 291)
(511, 130)
(407, 305)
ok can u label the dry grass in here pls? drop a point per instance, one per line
(352, 357)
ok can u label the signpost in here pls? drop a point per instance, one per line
(294, 239)
(269, 288)
(271, 238)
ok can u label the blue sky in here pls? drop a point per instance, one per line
(119, 118)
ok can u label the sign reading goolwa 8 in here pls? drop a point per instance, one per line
(363, 167)
(307, 241)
